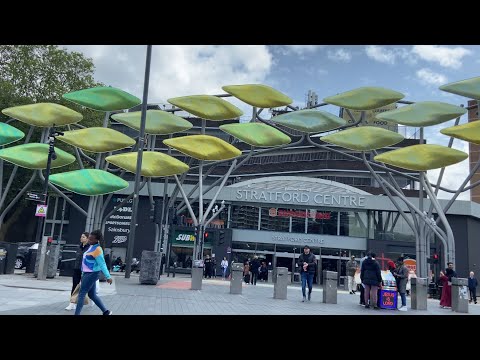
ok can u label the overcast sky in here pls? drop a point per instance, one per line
(417, 71)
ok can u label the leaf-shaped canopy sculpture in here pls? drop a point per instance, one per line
(257, 134)
(422, 157)
(9, 134)
(97, 139)
(424, 113)
(103, 98)
(35, 156)
(469, 132)
(89, 182)
(365, 98)
(154, 164)
(203, 147)
(207, 107)
(158, 122)
(469, 88)
(258, 95)
(363, 138)
(309, 121)
(44, 114)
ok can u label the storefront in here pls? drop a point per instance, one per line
(275, 217)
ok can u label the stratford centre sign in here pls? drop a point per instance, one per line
(301, 198)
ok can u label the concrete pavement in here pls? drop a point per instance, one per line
(22, 294)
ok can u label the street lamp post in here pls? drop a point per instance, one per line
(42, 273)
(141, 144)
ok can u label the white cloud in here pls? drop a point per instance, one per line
(340, 55)
(179, 70)
(454, 175)
(444, 56)
(299, 49)
(427, 76)
(380, 54)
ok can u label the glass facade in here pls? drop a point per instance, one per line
(309, 221)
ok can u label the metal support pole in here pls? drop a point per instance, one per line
(421, 251)
(42, 274)
(138, 171)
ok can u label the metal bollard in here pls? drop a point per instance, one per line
(280, 286)
(197, 274)
(330, 280)
(460, 295)
(236, 278)
(419, 289)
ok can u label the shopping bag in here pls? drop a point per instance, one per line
(74, 297)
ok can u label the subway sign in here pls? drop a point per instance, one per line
(185, 237)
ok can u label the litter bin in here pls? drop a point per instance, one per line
(236, 278)
(419, 289)
(67, 263)
(31, 260)
(3, 259)
(197, 275)
(460, 295)
(150, 267)
(330, 281)
(280, 286)
(11, 249)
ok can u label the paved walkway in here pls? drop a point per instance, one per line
(23, 294)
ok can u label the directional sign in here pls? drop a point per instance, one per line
(34, 196)
(41, 210)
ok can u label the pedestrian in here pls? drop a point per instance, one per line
(246, 271)
(208, 267)
(401, 275)
(77, 266)
(307, 265)
(362, 286)
(224, 266)
(93, 262)
(472, 287)
(263, 272)
(254, 266)
(351, 267)
(446, 298)
(372, 278)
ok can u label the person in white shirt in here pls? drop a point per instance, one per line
(224, 266)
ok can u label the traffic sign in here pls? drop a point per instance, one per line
(34, 196)
(229, 250)
(41, 210)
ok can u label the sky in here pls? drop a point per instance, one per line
(179, 70)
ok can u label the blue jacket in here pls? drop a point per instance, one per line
(472, 283)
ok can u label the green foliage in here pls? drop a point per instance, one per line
(43, 73)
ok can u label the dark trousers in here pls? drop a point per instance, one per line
(362, 295)
(473, 294)
(253, 278)
(77, 276)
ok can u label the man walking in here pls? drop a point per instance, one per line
(254, 265)
(351, 270)
(307, 265)
(472, 287)
(401, 276)
(362, 286)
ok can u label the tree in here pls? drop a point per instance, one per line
(40, 73)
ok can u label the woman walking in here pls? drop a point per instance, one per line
(77, 268)
(93, 262)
